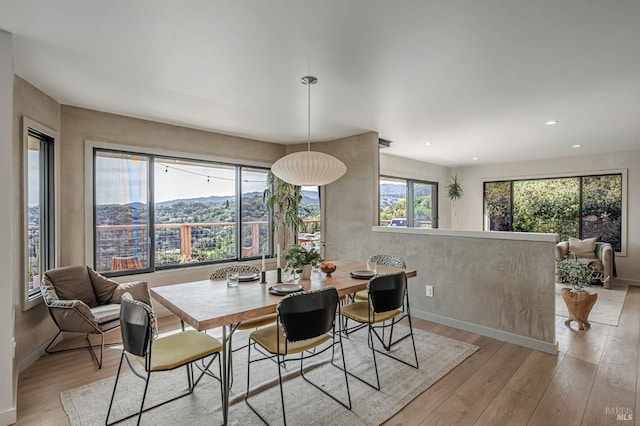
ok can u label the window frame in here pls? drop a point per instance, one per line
(93, 146)
(50, 202)
(409, 183)
(594, 173)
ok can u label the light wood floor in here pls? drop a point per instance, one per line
(591, 380)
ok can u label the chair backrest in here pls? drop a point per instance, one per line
(307, 315)
(137, 322)
(222, 272)
(70, 283)
(386, 292)
(389, 260)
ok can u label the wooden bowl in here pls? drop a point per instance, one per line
(328, 270)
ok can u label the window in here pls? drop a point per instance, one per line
(256, 224)
(407, 202)
(39, 206)
(309, 209)
(158, 212)
(582, 206)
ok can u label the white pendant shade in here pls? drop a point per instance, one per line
(308, 168)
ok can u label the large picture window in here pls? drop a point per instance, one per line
(580, 206)
(157, 212)
(407, 202)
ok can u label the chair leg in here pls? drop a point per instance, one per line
(115, 385)
(246, 395)
(90, 346)
(93, 352)
(387, 347)
(375, 364)
(47, 349)
(144, 396)
(192, 384)
(344, 369)
(284, 415)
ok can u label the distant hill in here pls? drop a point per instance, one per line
(391, 193)
(308, 197)
(211, 200)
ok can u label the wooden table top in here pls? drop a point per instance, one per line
(208, 304)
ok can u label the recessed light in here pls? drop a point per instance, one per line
(551, 122)
(576, 146)
(427, 144)
(474, 158)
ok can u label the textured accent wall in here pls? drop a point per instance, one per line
(505, 285)
(80, 125)
(34, 327)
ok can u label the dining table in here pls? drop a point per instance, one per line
(208, 304)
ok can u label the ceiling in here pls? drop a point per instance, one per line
(472, 78)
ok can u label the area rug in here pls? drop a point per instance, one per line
(608, 307)
(437, 355)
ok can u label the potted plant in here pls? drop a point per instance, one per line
(579, 302)
(454, 192)
(283, 200)
(454, 189)
(299, 260)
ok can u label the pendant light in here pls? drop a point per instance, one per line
(308, 168)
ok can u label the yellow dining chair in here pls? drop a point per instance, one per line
(386, 301)
(141, 346)
(384, 260)
(305, 327)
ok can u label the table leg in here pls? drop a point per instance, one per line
(225, 376)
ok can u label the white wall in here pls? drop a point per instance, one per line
(7, 264)
(469, 209)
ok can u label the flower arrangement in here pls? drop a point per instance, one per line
(297, 257)
(574, 273)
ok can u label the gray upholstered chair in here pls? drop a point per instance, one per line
(600, 259)
(80, 300)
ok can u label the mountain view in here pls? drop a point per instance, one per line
(393, 203)
(208, 241)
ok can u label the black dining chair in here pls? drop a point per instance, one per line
(384, 260)
(305, 326)
(140, 346)
(387, 300)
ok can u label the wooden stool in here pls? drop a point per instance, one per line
(579, 304)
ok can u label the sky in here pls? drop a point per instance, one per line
(121, 181)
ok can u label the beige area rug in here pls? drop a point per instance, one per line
(437, 355)
(608, 307)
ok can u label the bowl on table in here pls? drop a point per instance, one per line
(327, 268)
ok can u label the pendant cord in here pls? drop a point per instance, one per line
(309, 116)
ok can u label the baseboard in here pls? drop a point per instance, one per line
(630, 281)
(34, 355)
(527, 342)
(8, 417)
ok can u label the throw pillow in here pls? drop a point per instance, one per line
(583, 248)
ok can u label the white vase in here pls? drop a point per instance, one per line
(306, 272)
